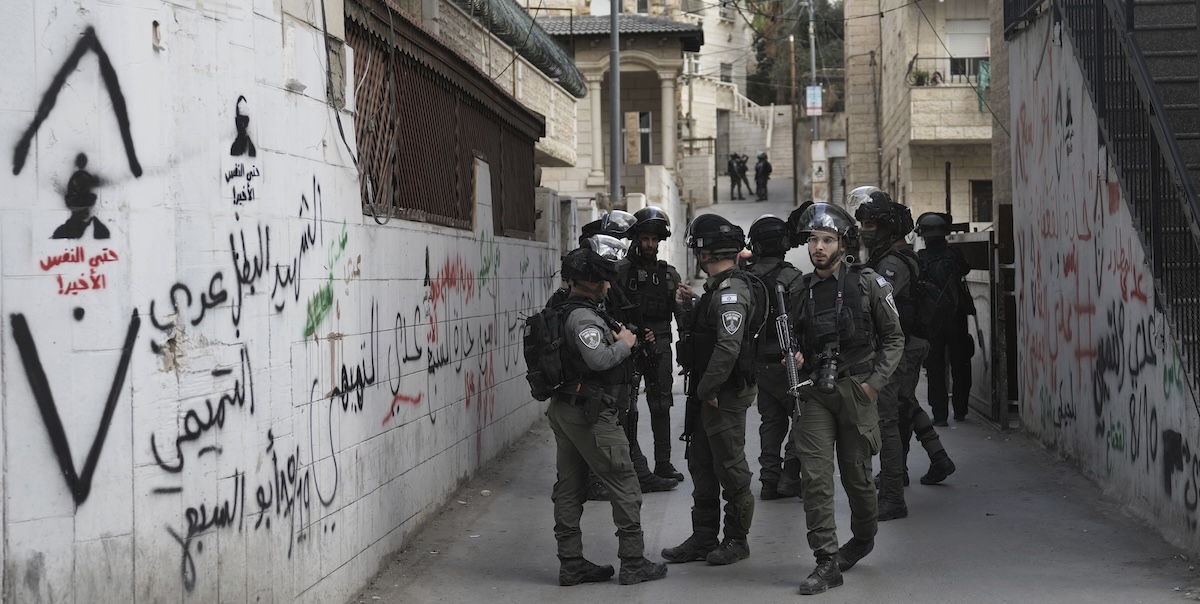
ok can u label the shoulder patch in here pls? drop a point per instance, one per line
(724, 284)
(732, 320)
(591, 337)
(883, 282)
(728, 298)
(889, 273)
(892, 304)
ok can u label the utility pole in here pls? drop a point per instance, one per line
(812, 60)
(614, 87)
(795, 126)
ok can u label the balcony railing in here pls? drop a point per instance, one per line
(949, 71)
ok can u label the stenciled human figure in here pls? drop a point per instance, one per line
(718, 356)
(617, 224)
(596, 350)
(770, 240)
(953, 345)
(762, 173)
(884, 228)
(81, 198)
(649, 284)
(852, 343)
(735, 178)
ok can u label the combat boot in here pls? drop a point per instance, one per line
(693, 549)
(790, 482)
(824, 577)
(597, 492)
(890, 510)
(653, 483)
(769, 492)
(640, 570)
(940, 467)
(790, 487)
(730, 551)
(667, 470)
(573, 571)
(852, 551)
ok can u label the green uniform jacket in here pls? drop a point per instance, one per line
(594, 340)
(880, 303)
(730, 311)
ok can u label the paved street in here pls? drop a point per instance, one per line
(1011, 525)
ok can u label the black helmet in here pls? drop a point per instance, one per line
(599, 259)
(651, 220)
(824, 217)
(762, 155)
(769, 236)
(896, 219)
(934, 224)
(714, 234)
(615, 224)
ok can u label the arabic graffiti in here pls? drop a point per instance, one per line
(89, 280)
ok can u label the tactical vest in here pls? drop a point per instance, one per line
(769, 348)
(576, 369)
(853, 330)
(704, 342)
(652, 288)
(906, 300)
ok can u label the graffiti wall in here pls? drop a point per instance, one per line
(1100, 375)
(220, 381)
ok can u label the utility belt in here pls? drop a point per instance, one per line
(857, 369)
(592, 398)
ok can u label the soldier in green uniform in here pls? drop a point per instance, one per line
(780, 476)
(650, 284)
(884, 227)
(583, 415)
(617, 223)
(852, 342)
(719, 358)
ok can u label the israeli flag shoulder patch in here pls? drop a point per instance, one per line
(728, 298)
(882, 282)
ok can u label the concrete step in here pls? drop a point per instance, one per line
(1177, 90)
(1171, 62)
(1164, 37)
(1163, 11)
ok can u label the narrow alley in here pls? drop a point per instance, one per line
(1013, 524)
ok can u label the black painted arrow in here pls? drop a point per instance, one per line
(79, 483)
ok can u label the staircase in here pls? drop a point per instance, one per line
(1166, 32)
(1142, 61)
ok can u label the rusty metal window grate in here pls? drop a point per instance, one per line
(419, 131)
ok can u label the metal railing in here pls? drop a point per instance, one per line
(1150, 167)
(698, 146)
(944, 71)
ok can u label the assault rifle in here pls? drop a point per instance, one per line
(787, 344)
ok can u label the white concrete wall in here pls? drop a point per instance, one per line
(226, 399)
(1099, 369)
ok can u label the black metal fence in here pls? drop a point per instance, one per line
(1150, 167)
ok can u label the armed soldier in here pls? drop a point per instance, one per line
(718, 355)
(584, 417)
(885, 224)
(649, 284)
(953, 345)
(617, 224)
(852, 340)
(780, 476)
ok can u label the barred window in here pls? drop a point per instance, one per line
(420, 124)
